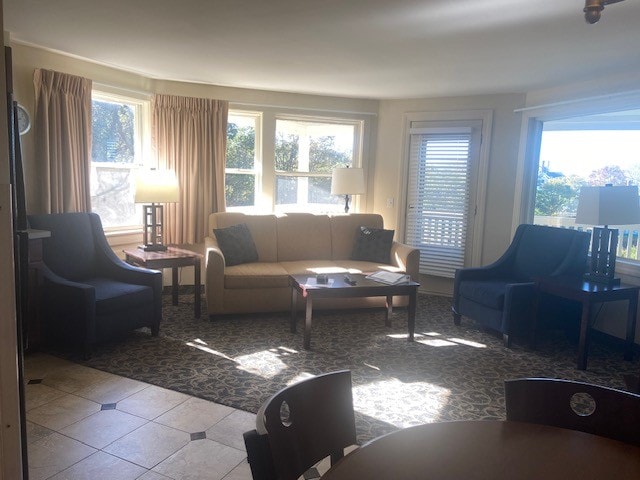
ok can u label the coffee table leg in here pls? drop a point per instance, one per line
(412, 313)
(387, 318)
(174, 284)
(294, 309)
(197, 281)
(307, 324)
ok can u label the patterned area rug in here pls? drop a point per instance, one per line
(448, 373)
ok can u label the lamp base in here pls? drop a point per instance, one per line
(153, 247)
(602, 279)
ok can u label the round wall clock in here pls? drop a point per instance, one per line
(24, 121)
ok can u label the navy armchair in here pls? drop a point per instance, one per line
(88, 293)
(501, 296)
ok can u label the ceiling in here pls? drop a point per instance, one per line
(353, 48)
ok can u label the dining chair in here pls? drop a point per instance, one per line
(301, 425)
(575, 405)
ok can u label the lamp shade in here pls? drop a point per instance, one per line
(347, 181)
(608, 206)
(156, 186)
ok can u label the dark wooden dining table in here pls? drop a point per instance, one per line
(489, 450)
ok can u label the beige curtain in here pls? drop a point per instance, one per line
(63, 141)
(190, 137)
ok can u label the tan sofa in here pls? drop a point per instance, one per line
(296, 243)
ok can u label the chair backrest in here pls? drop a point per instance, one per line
(70, 251)
(539, 250)
(307, 422)
(575, 405)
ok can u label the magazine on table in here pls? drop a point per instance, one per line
(390, 278)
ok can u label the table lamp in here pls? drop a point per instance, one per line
(153, 188)
(347, 181)
(606, 206)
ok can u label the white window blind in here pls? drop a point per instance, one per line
(438, 198)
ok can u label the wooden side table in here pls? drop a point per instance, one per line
(588, 293)
(172, 258)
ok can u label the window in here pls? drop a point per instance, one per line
(305, 154)
(242, 172)
(587, 151)
(441, 169)
(292, 170)
(117, 147)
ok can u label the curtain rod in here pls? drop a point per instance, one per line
(577, 100)
(122, 89)
(282, 107)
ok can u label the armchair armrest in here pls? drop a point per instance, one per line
(214, 275)
(406, 258)
(518, 301)
(69, 303)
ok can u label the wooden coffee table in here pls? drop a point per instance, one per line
(338, 288)
(172, 258)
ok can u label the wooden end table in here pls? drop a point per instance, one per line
(588, 293)
(338, 288)
(172, 258)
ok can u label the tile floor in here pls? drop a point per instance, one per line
(87, 424)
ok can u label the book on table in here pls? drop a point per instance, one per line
(390, 278)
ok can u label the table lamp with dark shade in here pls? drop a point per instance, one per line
(606, 206)
(347, 181)
(154, 188)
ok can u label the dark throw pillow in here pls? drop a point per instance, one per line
(373, 245)
(236, 244)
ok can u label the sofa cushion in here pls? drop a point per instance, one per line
(312, 267)
(256, 275)
(303, 236)
(262, 228)
(344, 230)
(236, 244)
(372, 245)
(360, 266)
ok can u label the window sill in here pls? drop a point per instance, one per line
(125, 236)
(629, 271)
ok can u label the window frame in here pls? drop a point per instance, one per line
(533, 118)
(266, 174)
(142, 140)
(257, 160)
(451, 119)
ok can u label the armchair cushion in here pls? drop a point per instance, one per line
(112, 296)
(489, 293)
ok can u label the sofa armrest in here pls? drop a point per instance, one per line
(407, 258)
(214, 275)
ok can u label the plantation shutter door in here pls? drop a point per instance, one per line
(438, 198)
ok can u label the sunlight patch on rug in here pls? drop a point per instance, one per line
(200, 345)
(265, 363)
(412, 403)
(468, 343)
